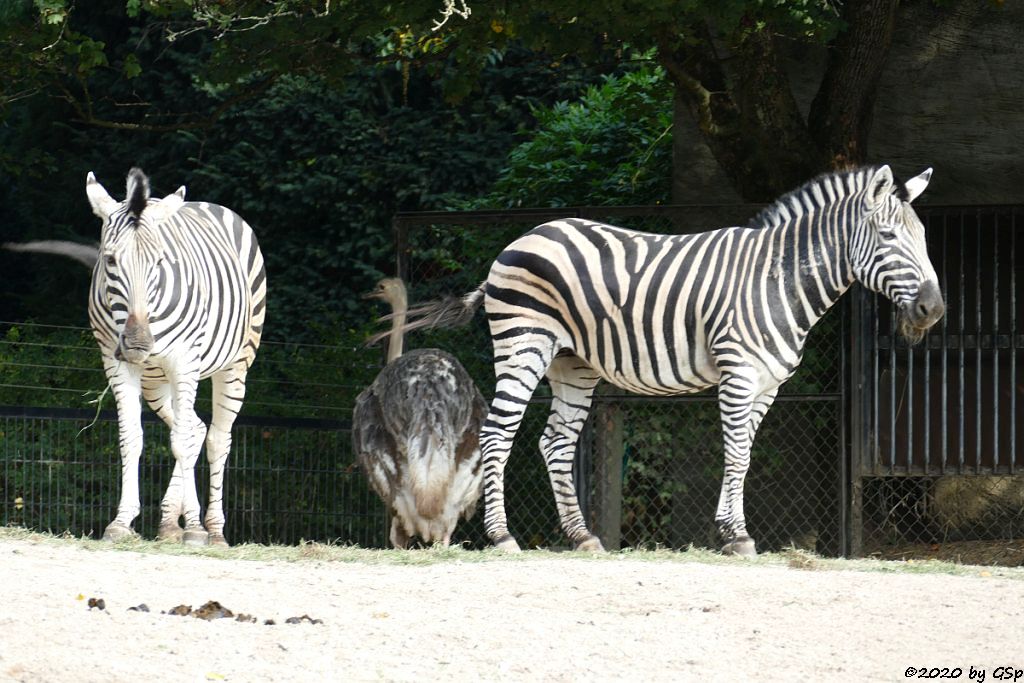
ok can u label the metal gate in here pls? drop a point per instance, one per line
(935, 427)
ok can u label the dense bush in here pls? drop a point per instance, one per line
(612, 146)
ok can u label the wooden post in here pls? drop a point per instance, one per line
(608, 451)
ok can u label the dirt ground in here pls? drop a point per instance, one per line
(542, 617)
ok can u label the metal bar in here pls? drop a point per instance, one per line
(926, 397)
(944, 408)
(1013, 341)
(995, 340)
(978, 332)
(152, 418)
(908, 390)
(960, 364)
(844, 446)
(893, 407)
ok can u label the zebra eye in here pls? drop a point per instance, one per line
(111, 261)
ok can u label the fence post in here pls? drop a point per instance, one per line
(859, 391)
(608, 450)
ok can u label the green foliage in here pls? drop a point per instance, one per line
(611, 147)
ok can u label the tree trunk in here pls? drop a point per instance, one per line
(745, 110)
(840, 116)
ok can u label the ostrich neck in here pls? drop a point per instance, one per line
(397, 333)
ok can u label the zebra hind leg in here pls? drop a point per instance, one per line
(572, 385)
(228, 393)
(521, 362)
(157, 393)
(187, 436)
(742, 405)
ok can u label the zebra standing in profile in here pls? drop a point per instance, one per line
(579, 301)
(177, 295)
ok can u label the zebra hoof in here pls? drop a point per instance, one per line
(590, 545)
(742, 547)
(196, 537)
(218, 540)
(170, 531)
(116, 531)
(508, 544)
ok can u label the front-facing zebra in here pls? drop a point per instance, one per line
(177, 295)
(579, 301)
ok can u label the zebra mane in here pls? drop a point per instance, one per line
(137, 192)
(804, 198)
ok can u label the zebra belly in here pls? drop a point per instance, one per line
(649, 377)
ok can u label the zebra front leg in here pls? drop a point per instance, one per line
(127, 389)
(228, 394)
(742, 404)
(572, 385)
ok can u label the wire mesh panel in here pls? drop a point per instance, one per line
(665, 488)
(286, 480)
(673, 466)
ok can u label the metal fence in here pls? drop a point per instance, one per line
(936, 454)
(870, 447)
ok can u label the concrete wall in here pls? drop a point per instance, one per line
(951, 97)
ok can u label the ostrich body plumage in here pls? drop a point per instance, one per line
(415, 432)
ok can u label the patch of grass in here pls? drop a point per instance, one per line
(312, 551)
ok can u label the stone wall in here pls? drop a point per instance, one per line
(951, 97)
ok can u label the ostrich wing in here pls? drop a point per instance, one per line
(470, 442)
(373, 445)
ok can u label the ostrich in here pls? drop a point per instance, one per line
(415, 432)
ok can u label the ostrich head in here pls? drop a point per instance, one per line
(392, 290)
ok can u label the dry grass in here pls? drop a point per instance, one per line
(311, 551)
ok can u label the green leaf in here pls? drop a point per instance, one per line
(132, 67)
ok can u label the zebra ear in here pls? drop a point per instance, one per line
(102, 203)
(879, 188)
(167, 206)
(917, 184)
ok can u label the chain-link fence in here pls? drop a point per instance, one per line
(871, 448)
(649, 469)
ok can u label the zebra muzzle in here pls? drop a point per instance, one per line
(917, 316)
(136, 342)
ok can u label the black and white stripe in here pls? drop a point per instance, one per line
(578, 301)
(177, 295)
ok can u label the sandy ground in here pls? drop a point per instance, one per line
(546, 618)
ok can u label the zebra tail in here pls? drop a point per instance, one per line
(86, 254)
(448, 312)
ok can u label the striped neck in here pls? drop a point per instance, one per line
(815, 225)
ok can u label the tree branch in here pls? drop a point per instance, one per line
(83, 108)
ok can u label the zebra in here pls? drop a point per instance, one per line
(579, 301)
(178, 294)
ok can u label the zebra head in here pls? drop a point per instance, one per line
(134, 262)
(889, 253)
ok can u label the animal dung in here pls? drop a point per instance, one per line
(98, 603)
(304, 617)
(179, 611)
(141, 607)
(214, 610)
